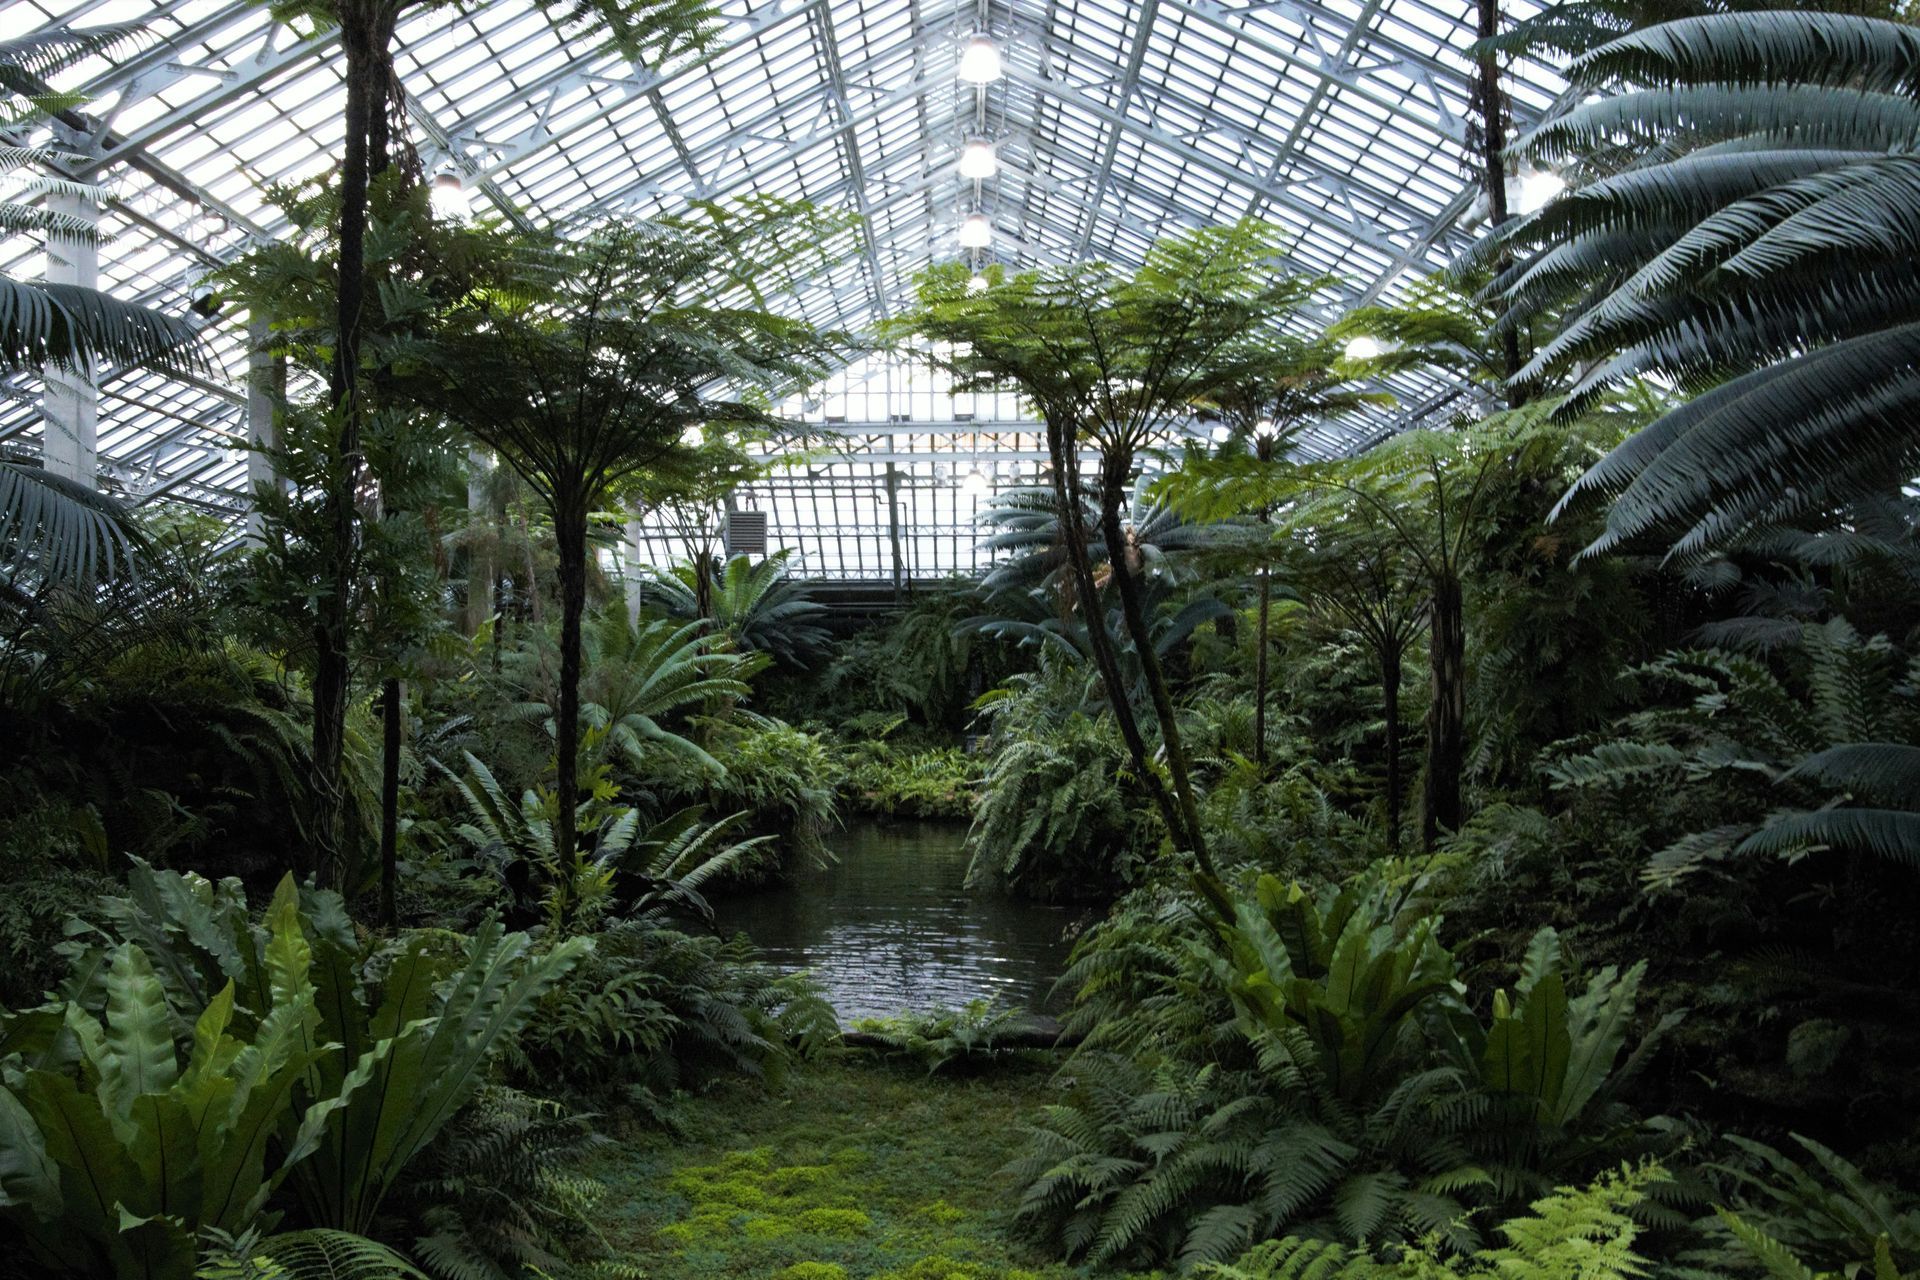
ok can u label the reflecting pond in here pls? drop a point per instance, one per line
(890, 926)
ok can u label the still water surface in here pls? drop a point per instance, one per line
(890, 927)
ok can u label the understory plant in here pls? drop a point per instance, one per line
(1316, 1069)
(414, 1024)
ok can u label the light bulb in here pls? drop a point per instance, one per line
(975, 485)
(976, 283)
(978, 161)
(1264, 428)
(976, 232)
(450, 195)
(980, 61)
(1363, 348)
(1538, 188)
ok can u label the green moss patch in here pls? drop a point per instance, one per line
(854, 1171)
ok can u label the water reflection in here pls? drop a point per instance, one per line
(890, 927)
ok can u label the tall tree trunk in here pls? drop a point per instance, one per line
(1390, 656)
(1066, 495)
(1446, 714)
(390, 726)
(1493, 141)
(570, 534)
(1112, 494)
(332, 673)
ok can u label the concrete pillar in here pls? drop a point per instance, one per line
(71, 407)
(635, 556)
(266, 392)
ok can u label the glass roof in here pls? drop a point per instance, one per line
(1341, 120)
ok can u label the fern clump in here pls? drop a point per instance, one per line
(1315, 1068)
(1584, 1233)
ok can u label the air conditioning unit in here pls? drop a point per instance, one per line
(746, 533)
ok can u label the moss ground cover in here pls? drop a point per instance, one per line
(853, 1170)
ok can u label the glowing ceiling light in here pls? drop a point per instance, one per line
(1363, 348)
(1538, 188)
(693, 437)
(975, 485)
(977, 160)
(980, 61)
(976, 232)
(450, 195)
(1265, 428)
(1221, 433)
(976, 283)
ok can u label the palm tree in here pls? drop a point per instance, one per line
(614, 345)
(1747, 231)
(756, 607)
(53, 530)
(63, 325)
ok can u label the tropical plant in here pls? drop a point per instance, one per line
(644, 873)
(1787, 767)
(653, 1010)
(1573, 1233)
(756, 607)
(314, 1254)
(115, 1169)
(1115, 360)
(416, 1023)
(494, 1194)
(63, 325)
(578, 375)
(1831, 1216)
(1750, 177)
(370, 155)
(978, 1034)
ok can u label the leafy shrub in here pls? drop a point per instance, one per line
(976, 1035)
(491, 1193)
(1053, 818)
(417, 1021)
(1571, 1234)
(899, 782)
(1333, 1081)
(783, 778)
(115, 1169)
(650, 1010)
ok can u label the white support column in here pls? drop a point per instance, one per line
(266, 392)
(70, 414)
(635, 550)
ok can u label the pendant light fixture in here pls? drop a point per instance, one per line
(978, 160)
(976, 232)
(980, 60)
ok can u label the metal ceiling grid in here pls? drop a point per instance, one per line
(1115, 122)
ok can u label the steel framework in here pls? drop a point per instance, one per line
(1343, 121)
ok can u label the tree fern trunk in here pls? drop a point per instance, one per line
(1260, 666)
(1446, 714)
(570, 533)
(1390, 674)
(1066, 493)
(1112, 494)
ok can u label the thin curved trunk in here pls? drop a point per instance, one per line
(1112, 494)
(1446, 714)
(1066, 493)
